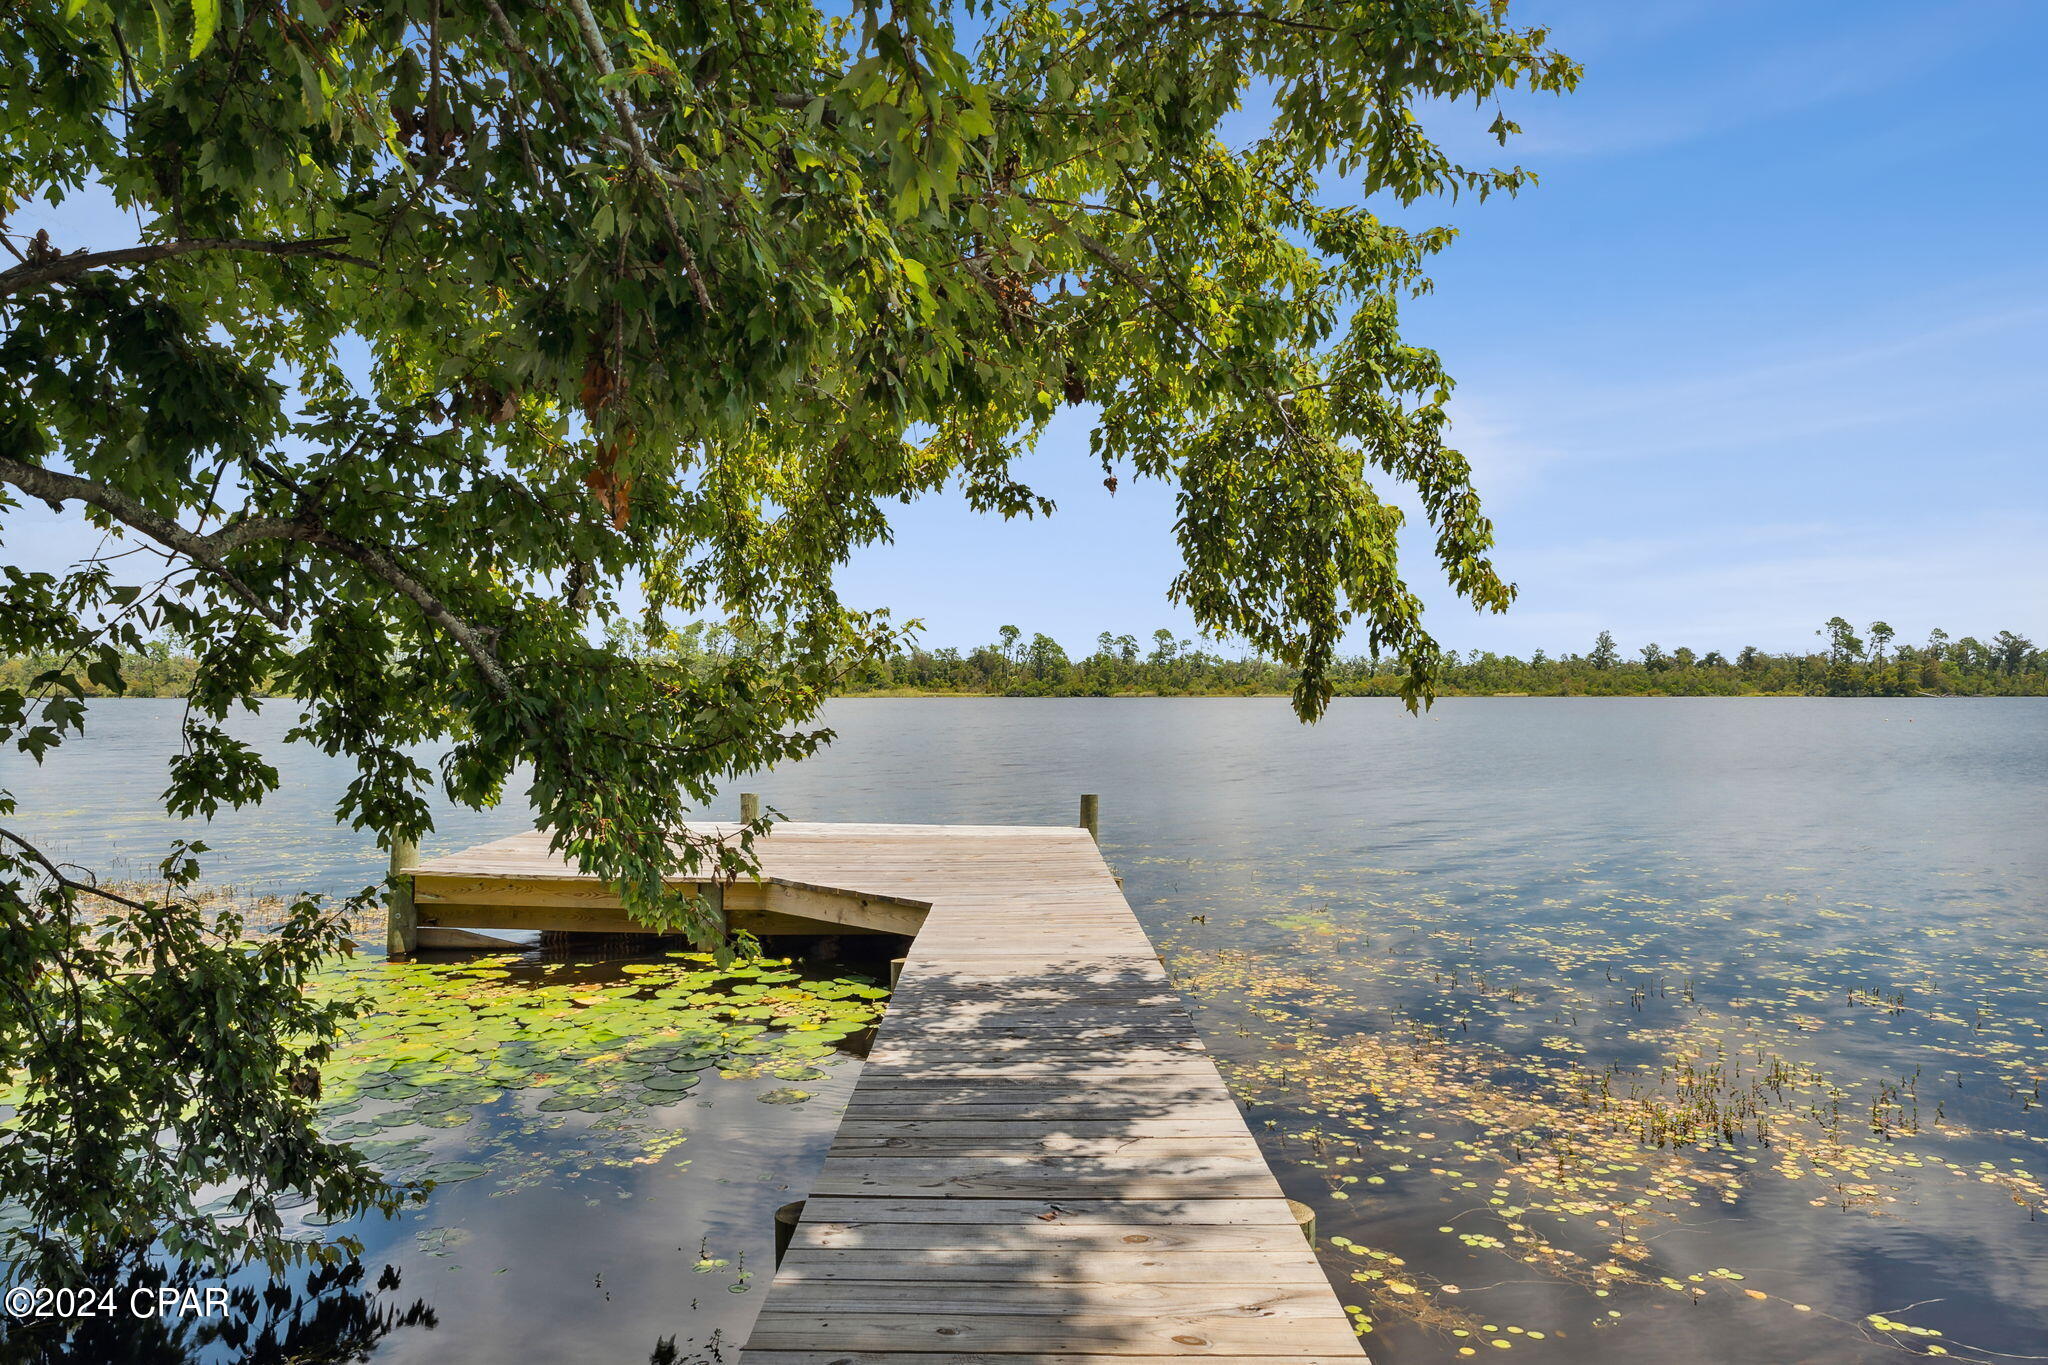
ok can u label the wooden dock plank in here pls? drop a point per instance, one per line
(759, 1357)
(1215, 1124)
(1039, 1163)
(1076, 1332)
(796, 1294)
(1122, 1239)
(1050, 1265)
(1039, 1160)
(1041, 1142)
(1059, 1213)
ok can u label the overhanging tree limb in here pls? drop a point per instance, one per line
(57, 488)
(636, 141)
(37, 274)
(55, 872)
(208, 550)
(1136, 278)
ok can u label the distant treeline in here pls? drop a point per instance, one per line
(1872, 664)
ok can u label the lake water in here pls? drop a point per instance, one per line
(1593, 1029)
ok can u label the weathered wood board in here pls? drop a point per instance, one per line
(517, 883)
(1039, 1164)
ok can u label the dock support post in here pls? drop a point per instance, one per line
(401, 915)
(786, 1219)
(1304, 1218)
(750, 807)
(1091, 810)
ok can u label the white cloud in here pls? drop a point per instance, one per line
(1894, 381)
(1770, 586)
(1765, 77)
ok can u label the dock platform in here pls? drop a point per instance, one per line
(1039, 1164)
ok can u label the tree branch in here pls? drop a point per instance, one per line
(208, 551)
(593, 41)
(476, 641)
(57, 488)
(1257, 16)
(1133, 277)
(548, 84)
(35, 274)
(56, 873)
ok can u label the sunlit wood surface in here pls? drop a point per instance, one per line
(1039, 1162)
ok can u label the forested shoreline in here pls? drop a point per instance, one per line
(1872, 663)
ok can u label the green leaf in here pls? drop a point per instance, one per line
(486, 378)
(205, 19)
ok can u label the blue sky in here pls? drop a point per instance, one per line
(1766, 345)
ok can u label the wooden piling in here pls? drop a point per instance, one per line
(1091, 810)
(401, 915)
(786, 1219)
(750, 807)
(1304, 1218)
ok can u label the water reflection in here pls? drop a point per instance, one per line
(329, 1315)
(608, 1139)
(1401, 933)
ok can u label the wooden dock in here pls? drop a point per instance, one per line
(1039, 1162)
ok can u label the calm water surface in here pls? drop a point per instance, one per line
(1595, 1030)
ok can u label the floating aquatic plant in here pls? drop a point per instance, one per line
(440, 1043)
(1598, 1089)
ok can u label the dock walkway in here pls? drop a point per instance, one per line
(1039, 1162)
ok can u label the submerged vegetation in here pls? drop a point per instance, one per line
(1573, 1111)
(436, 1043)
(526, 1076)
